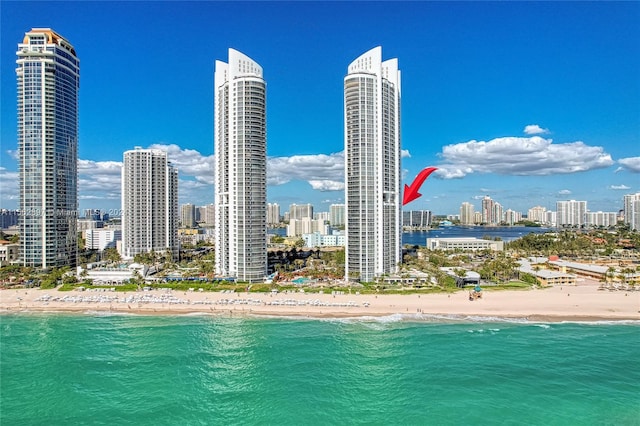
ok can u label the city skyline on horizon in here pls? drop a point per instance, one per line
(545, 117)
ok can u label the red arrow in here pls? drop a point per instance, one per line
(411, 191)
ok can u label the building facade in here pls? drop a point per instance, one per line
(273, 214)
(417, 219)
(465, 244)
(306, 226)
(601, 219)
(571, 213)
(537, 214)
(511, 217)
(149, 203)
(188, 215)
(467, 216)
(300, 211)
(336, 214)
(372, 167)
(8, 218)
(48, 77)
(241, 168)
(9, 252)
(100, 239)
(631, 210)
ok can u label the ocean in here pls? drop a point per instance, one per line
(62, 369)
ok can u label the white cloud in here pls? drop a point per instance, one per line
(189, 162)
(534, 129)
(310, 168)
(13, 154)
(99, 179)
(9, 183)
(326, 185)
(534, 156)
(405, 153)
(619, 187)
(631, 163)
(564, 192)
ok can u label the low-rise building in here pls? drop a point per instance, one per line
(318, 240)
(101, 275)
(8, 252)
(472, 244)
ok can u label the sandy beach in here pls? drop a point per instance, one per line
(584, 302)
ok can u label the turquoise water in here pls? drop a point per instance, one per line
(195, 370)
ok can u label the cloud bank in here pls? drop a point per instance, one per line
(518, 156)
(323, 172)
(631, 164)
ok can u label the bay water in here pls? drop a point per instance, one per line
(63, 369)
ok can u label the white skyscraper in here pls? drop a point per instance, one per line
(631, 210)
(48, 77)
(273, 214)
(336, 214)
(149, 203)
(467, 216)
(537, 214)
(300, 211)
(571, 213)
(372, 167)
(188, 215)
(241, 168)
(489, 211)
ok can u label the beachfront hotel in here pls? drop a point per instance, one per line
(48, 76)
(149, 204)
(372, 167)
(240, 146)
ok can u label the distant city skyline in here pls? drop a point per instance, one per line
(526, 102)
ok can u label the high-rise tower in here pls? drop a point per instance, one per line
(372, 166)
(241, 168)
(48, 74)
(149, 203)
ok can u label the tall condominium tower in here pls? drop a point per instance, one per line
(300, 211)
(48, 75)
(537, 214)
(336, 214)
(416, 218)
(467, 216)
(571, 213)
(149, 203)
(241, 168)
(273, 214)
(372, 166)
(488, 211)
(631, 207)
(188, 215)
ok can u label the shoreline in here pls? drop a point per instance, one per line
(299, 316)
(584, 302)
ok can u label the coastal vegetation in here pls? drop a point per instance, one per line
(314, 270)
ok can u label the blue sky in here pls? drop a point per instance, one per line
(528, 103)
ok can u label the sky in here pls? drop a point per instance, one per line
(526, 102)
